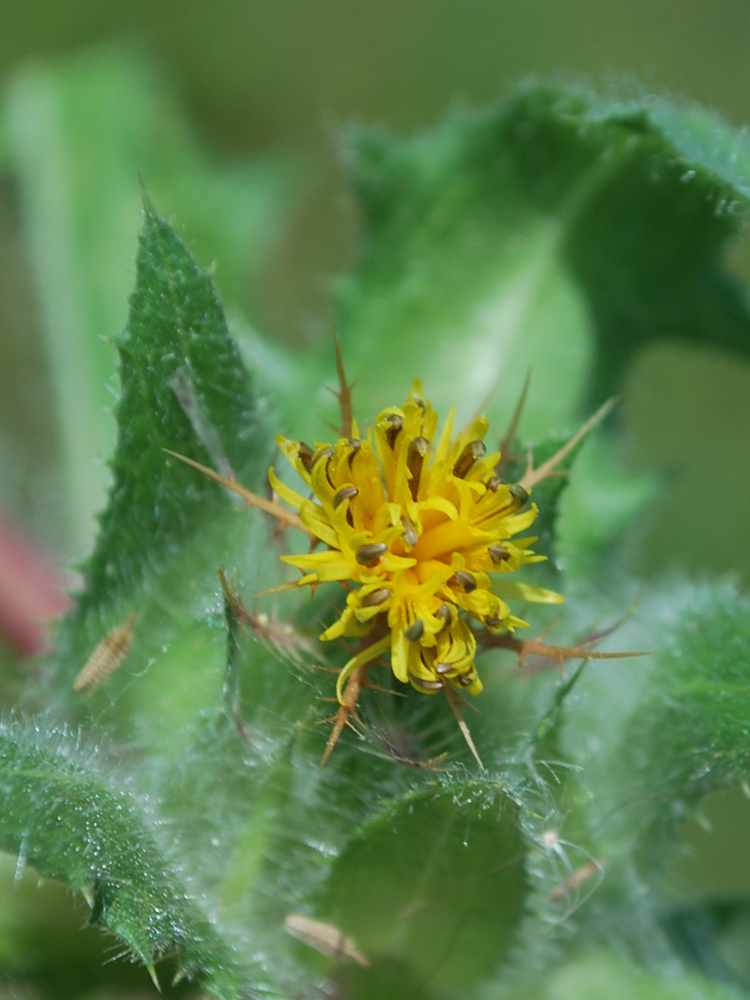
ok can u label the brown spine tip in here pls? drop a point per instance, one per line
(370, 553)
(472, 451)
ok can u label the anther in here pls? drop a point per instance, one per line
(416, 399)
(472, 451)
(419, 449)
(370, 553)
(345, 493)
(305, 455)
(325, 453)
(498, 553)
(466, 580)
(415, 631)
(396, 423)
(494, 621)
(517, 491)
(493, 484)
(411, 536)
(375, 597)
(445, 613)
(464, 680)
(424, 685)
(443, 668)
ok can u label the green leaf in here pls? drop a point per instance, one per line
(688, 735)
(77, 132)
(559, 231)
(437, 882)
(184, 388)
(62, 816)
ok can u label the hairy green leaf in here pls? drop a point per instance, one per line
(62, 816)
(184, 388)
(561, 231)
(689, 735)
(437, 881)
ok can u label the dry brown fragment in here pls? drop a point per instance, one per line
(325, 938)
(574, 881)
(106, 658)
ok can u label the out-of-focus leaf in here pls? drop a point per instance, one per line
(78, 133)
(603, 498)
(561, 231)
(437, 881)
(72, 824)
(604, 975)
(689, 734)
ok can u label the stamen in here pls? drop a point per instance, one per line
(415, 631)
(498, 553)
(472, 451)
(323, 453)
(465, 580)
(305, 455)
(443, 668)
(370, 553)
(424, 685)
(416, 399)
(464, 680)
(519, 492)
(494, 484)
(396, 422)
(374, 598)
(419, 449)
(327, 454)
(411, 536)
(345, 493)
(445, 613)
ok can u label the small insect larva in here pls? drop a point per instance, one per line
(325, 938)
(106, 658)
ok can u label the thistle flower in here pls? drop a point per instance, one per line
(422, 532)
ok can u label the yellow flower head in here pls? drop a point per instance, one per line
(421, 531)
